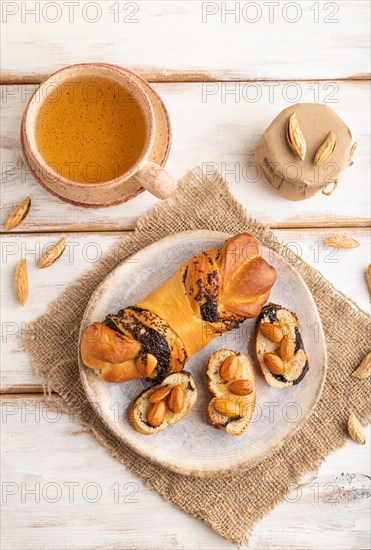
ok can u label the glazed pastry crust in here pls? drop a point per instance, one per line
(107, 352)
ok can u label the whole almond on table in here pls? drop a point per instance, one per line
(227, 407)
(272, 332)
(295, 137)
(326, 150)
(18, 215)
(364, 369)
(241, 387)
(53, 253)
(156, 414)
(340, 241)
(287, 348)
(175, 400)
(368, 276)
(159, 394)
(228, 369)
(21, 283)
(356, 430)
(352, 151)
(273, 363)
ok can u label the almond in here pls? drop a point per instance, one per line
(340, 241)
(368, 276)
(146, 363)
(226, 407)
(295, 137)
(273, 363)
(229, 367)
(159, 394)
(21, 283)
(18, 215)
(287, 348)
(272, 332)
(156, 414)
(241, 387)
(326, 150)
(175, 400)
(352, 151)
(364, 369)
(53, 253)
(356, 430)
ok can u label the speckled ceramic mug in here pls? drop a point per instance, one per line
(150, 176)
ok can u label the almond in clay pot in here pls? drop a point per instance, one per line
(304, 151)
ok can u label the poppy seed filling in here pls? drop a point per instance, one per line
(153, 342)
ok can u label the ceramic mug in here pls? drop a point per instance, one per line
(151, 176)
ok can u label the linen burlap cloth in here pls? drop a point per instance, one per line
(230, 505)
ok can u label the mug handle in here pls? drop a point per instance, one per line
(156, 180)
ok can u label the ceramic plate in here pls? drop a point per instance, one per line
(192, 446)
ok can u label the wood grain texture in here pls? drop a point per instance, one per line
(194, 40)
(100, 505)
(10, 78)
(230, 119)
(344, 268)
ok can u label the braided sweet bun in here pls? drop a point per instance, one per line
(210, 294)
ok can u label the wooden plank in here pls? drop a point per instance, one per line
(328, 510)
(194, 40)
(344, 268)
(9, 78)
(230, 118)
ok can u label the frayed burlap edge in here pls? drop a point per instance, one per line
(232, 505)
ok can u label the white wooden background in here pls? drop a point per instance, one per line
(223, 78)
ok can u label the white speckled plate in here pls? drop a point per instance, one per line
(191, 446)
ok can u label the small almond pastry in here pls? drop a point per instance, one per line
(166, 403)
(231, 380)
(279, 347)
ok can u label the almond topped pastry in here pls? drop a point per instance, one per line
(167, 403)
(280, 348)
(231, 381)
